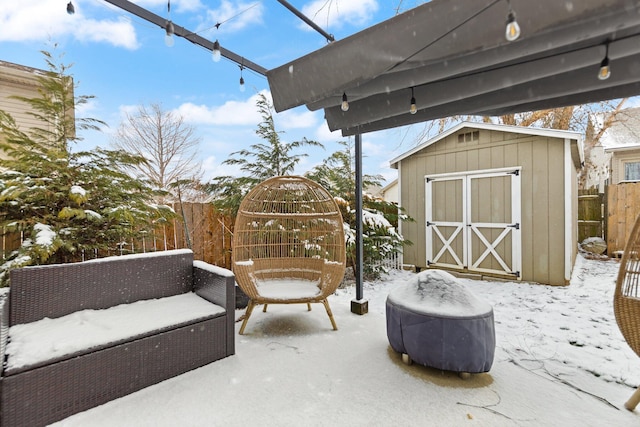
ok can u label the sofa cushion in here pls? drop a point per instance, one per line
(59, 289)
(48, 340)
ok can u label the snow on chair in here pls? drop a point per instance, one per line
(288, 245)
(626, 299)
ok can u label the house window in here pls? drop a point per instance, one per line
(632, 171)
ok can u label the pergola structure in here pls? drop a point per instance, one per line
(451, 57)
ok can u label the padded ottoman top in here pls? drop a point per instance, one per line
(436, 292)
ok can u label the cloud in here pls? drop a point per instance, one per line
(83, 109)
(128, 109)
(373, 149)
(323, 134)
(119, 33)
(294, 120)
(210, 168)
(43, 20)
(231, 113)
(233, 16)
(336, 13)
(244, 113)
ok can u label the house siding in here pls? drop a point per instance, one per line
(542, 193)
(21, 81)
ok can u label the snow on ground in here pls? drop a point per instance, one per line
(560, 360)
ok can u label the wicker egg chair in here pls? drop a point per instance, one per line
(626, 299)
(288, 245)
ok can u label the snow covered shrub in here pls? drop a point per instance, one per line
(380, 218)
(64, 202)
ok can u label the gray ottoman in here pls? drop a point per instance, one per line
(438, 322)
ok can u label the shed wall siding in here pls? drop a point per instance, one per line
(542, 162)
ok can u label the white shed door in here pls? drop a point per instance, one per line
(473, 221)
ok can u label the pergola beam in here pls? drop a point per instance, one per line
(142, 13)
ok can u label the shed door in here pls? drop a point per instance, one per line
(473, 221)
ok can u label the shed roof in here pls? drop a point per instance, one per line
(576, 138)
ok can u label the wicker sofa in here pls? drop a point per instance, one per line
(192, 325)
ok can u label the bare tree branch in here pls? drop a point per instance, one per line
(169, 145)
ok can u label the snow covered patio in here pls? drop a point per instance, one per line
(560, 360)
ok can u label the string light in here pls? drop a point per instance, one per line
(605, 71)
(70, 9)
(168, 27)
(168, 38)
(413, 108)
(512, 32)
(241, 79)
(345, 103)
(215, 52)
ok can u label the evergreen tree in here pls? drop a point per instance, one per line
(380, 218)
(261, 161)
(66, 203)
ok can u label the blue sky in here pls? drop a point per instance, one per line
(124, 62)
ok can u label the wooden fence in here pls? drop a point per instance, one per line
(207, 233)
(623, 207)
(591, 218)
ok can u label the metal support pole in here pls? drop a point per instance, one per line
(359, 305)
(308, 21)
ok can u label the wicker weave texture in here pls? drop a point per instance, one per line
(46, 394)
(57, 290)
(287, 225)
(626, 298)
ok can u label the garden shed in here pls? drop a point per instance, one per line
(493, 200)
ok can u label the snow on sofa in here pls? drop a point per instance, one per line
(78, 335)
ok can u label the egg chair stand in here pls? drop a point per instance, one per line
(288, 245)
(626, 299)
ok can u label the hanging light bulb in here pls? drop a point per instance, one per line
(345, 103)
(605, 71)
(413, 108)
(168, 38)
(70, 9)
(512, 32)
(215, 52)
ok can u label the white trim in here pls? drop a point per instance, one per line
(472, 173)
(618, 148)
(550, 133)
(568, 211)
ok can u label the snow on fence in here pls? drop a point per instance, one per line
(206, 232)
(392, 261)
